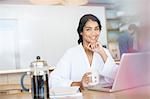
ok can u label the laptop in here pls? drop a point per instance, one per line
(133, 71)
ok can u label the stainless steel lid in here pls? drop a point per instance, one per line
(38, 62)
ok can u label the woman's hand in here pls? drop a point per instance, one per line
(86, 79)
(97, 47)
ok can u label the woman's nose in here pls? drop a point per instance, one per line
(94, 32)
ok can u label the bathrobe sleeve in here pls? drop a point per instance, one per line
(61, 75)
(109, 69)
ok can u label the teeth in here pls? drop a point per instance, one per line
(93, 37)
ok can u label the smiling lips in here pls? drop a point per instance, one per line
(93, 39)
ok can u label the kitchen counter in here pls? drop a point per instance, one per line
(19, 70)
(14, 76)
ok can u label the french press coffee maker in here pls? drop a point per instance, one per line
(39, 79)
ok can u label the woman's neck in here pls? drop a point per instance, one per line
(89, 54)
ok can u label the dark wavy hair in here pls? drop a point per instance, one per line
(82, 23)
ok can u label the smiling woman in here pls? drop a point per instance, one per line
(88, 58)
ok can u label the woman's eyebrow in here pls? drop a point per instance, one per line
(97, 27)
(91, 27)
(88, 27)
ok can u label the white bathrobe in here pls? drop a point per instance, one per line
(74, 64)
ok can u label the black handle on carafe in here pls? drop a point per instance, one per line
(22, 83)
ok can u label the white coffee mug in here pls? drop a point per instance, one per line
(94, 78)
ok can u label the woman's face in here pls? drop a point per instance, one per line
(90, 32)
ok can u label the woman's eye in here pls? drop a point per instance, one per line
(88, 29)
(97, 29)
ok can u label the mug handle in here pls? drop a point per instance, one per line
(22, 83)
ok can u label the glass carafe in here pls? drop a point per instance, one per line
(39, 79)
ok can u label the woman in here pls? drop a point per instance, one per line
(72, 69)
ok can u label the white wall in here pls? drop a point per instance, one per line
(47, 30)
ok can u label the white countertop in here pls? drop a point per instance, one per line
(19, 70)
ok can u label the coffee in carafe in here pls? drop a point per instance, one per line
(39, 80)
(39, 87)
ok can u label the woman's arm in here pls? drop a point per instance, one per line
(76, 84)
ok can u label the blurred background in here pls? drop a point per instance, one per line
(119, 14)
